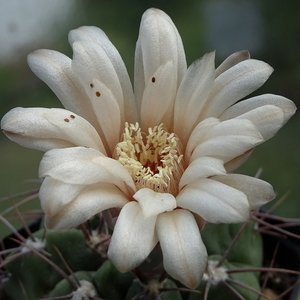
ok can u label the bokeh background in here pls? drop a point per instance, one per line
(270, 30)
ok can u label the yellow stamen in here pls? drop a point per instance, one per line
(154, 160)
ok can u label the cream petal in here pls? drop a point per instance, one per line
(72, 166)
(56, 157)
(133, 238)
(108, 113)
(198, 135)
(184, 254)
(153, 203)
(231, 61)
(54, 195)
(96, 35)
(159, 43)
(237, 161)
(234, 84)
(158, 95)
(228, 139)
(139, 76)
(262, 112)
(202, 167)
(92, 200)
(94, 68)
(192, 95)
(268, 119)
(90, 61)
(54, 68)
(258, 192)
(214, 201)
(48, 128)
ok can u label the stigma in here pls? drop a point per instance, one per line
(154, 159)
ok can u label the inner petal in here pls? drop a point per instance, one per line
(154, 160)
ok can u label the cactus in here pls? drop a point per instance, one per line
(69, 265)
(138, 194)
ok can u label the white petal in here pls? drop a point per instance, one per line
(94, 68)
(54, 195)
(92, 200)
(90, 61)
(268, 119)
(82, 166)
(184, 254)
(202, 167)
(96, 35)
(56, 157)
(159, 94)
(133, 238)
(234, 84)
(198, 135)
(192, 95)
(48, 128)
(55, 70)
(237, 161)
(231, 61)
(262, 112)
(159, 43)
(258, 192)
(153, 203)
(107, 112)
(228, 140)
(214, 202)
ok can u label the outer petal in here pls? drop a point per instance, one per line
(258, 192)
(153, 203)
(90, 201)
(55, 70)
(108, 114)
(133, 238)
(158, 43)
(202, 167)
(192, 95)
(234, 84)
(237, 161)
(198, 135)
(158, 95)
(268, 112)
(96, 35)
(214, 201)
(184, 254)
(231, 61)
(82, 166)
(227, 140)
(54, 195)
(48, 128)
(96, 72)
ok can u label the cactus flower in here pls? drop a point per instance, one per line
(159, 158)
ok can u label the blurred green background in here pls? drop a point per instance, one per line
(270, 30)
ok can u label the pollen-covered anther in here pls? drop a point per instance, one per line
(154, 161)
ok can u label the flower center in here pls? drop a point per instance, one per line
(154, 161)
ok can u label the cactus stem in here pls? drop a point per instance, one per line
(66, 265)
(52, 264)
(230, 280)
(232, 244)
